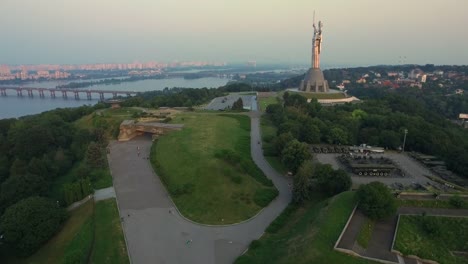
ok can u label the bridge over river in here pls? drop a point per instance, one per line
(30, 91)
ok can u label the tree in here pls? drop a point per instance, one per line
(338, 136)
(376, 201)
(95, 156)
(238, 105)
(302, 182)
(309, 132)
(335, 182)
(281, 141)
(18, 187)
(4, 167)
(29, 223)
(19, 167)
(294, 154)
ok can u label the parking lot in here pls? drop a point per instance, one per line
(413, 172)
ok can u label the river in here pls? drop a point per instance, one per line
(13, 106)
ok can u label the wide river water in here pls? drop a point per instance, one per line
(14, 106)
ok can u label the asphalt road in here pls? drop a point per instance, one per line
(157, 233)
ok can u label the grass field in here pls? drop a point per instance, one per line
(64, 242)
(365, 234)
(266, 101)
(428, 203)
(308, 235)
(321, 95)
(218, 175)
(413, 238)
(109, 245)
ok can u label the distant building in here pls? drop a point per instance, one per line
(415, 73)
(43, 74)
(362, 80)
(459, 91)
(422, 78)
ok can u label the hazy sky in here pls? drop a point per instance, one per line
(357, 32)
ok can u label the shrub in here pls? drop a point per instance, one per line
(264, 196)
(255, 244)
(431, 225)
(376, 201)
(456, 201)
(29, 223)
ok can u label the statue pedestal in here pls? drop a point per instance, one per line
(314, 82)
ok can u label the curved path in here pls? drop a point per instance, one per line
(154, 230)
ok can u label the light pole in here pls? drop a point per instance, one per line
(404, 139)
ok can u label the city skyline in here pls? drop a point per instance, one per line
(359, 33)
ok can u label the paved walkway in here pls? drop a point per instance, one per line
(155, 231)
(103, 194)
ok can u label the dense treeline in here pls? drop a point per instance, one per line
(35, 152)
(379, 121)
(111, 81)
(432, 98)
(189, 97)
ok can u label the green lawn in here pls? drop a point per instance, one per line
(308, 236)
(266, 101)
(109, 244)
(207, 167)
(65, 241)
(414, 239)
(322, 95)
(365, 234)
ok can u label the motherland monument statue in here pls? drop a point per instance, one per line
(314, 80)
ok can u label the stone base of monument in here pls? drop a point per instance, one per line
(314, 82)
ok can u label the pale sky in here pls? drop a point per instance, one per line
(356, 32)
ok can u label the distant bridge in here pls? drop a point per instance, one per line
(30, 91)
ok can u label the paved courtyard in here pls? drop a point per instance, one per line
(413, 171)
(224, 102)
(156, 233)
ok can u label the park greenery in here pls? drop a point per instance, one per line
(218, 175)
(29, 223)
(91, 234)
(238, 105)
(376, 200)
(55, 156)
(305, 234)
(433, 238)
(315, 178)
(378, 122)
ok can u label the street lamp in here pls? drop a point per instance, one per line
(404, 139)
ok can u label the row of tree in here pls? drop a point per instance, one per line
(381, 122)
